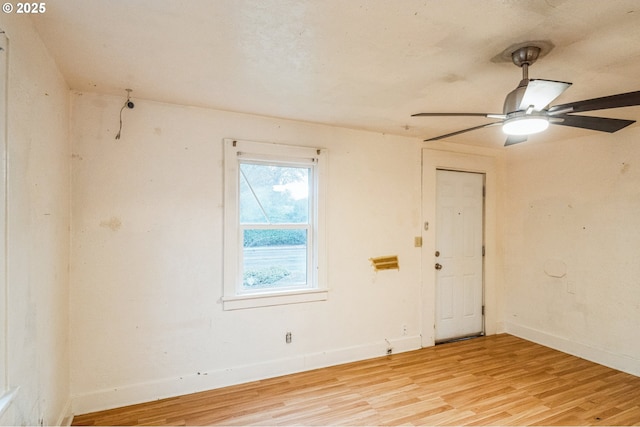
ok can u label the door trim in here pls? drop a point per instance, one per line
(432, 160)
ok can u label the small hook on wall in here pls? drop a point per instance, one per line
(128, 104)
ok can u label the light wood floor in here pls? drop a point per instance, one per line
(496, 380)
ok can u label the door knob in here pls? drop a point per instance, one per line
(438, 266)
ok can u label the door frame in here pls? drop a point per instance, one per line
(432, 160)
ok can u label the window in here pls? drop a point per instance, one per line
(274, 222)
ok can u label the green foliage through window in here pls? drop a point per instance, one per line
(278, 237)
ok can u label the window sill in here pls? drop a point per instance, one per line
(6, 399)
(266, 300)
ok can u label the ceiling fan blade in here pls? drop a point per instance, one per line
(613, 101)
(515, 139)
(540, 93)
(463, 131)
(602, 124)
(488, 115)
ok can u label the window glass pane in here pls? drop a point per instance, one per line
(274, 258)
(271, 194)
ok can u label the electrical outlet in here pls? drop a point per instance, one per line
(288, 337)
(404, 329)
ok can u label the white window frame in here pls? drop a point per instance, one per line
(235, 151)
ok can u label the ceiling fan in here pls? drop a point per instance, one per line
(526, 109)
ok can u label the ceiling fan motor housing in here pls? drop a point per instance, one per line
(513, 99)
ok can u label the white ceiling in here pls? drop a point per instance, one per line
(365, 64)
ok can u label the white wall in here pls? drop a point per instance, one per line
(572, 246)
(37, 230)
(146, 278)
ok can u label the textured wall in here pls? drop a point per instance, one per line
(572, 245)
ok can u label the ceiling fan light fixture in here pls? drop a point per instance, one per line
(526, 125)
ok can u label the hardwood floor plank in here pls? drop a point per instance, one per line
(496, 380)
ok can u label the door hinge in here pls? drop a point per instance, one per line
(484, 191)
(483, 251)
(483, 310)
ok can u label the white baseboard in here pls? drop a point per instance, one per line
(170, 387)
(621, 362)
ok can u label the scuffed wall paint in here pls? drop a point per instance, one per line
(146, 279)
(37, 230)
(573, 239)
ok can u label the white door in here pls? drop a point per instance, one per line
(458, 257)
